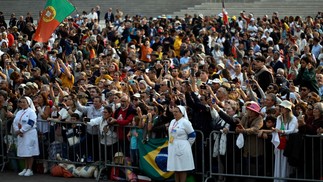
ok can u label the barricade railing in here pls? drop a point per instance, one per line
(199, 154)
(6, 143)
(256, 159)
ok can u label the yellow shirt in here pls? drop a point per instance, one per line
(106, 76)
(66, 82)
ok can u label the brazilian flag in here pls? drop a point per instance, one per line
(153, 160)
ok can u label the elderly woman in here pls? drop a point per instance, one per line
(313, 128)
(24, 126)
(286, 124)
(250, 124)
(181, 137)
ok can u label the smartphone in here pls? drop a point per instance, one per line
(192, 71)
(76, 88)
(168, 84)
(166, 68)
(151, 97)
(213, 101)
(203, 87)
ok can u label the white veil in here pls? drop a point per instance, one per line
(183, 111)
(30, 103)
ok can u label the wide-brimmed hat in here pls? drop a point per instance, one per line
(254, 107)
(286, 104)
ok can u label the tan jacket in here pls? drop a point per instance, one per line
(253, 146)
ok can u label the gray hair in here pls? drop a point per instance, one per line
(319, 106)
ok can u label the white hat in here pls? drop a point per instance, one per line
(132, 47)
(216, 80)
(35, 85)
(177, 22)
(286, 104)
(221, 65)
(22, 85)
(30, 84)
(320, 57)
(136, 95)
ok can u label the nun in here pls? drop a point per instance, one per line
(181, 138)
(24, 126)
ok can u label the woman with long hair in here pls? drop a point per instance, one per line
(286, 124)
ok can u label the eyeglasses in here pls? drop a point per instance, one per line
(123, 101)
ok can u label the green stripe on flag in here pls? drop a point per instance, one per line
(154, 158)
(63, 8)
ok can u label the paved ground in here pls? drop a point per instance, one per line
(9, 176)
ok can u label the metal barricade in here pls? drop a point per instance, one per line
(215, 157)
(7, 144)
(199, 154)
(256, 159)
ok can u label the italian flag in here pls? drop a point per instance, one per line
(54, 13)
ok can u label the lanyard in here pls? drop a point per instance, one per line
(22, 116)
(174, 125)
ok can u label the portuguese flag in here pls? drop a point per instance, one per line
(54, 13)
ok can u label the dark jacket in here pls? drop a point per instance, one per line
(201, 116)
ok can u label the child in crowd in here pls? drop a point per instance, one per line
(133, 138)
(270, 123)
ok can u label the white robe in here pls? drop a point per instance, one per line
(27, 144)
(180, 156)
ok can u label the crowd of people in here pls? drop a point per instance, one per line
(261, 77)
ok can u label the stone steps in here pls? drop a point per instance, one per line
(149, 8)
(258, 8)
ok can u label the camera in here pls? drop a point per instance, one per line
(174, 89)
(86, 120)
(61, 105)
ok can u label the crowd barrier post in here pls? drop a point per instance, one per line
(242, 163)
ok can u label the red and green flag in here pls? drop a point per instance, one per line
(54, 13)
(224, 14)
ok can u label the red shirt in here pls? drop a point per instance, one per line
(11, 39)
(123, 120)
